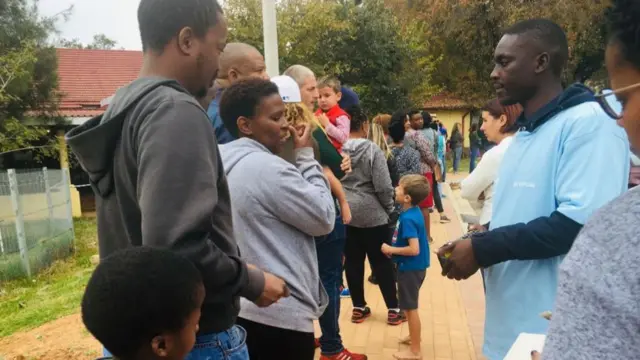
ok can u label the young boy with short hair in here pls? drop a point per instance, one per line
(144, 303)
(410, 251)
(333, 118)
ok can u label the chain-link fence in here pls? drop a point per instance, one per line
(36, 223)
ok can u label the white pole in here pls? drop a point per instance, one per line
(270, 31)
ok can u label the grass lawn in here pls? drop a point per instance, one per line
(54, 292)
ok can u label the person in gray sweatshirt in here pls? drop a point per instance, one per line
(278, 208)
(370, 195)
(153, 163)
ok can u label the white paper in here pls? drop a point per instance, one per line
(524, 345)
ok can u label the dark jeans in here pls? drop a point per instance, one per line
(473, 156)
(272, 343)
(330, 249)
(457, 155)
(366, 242)
(436, 193)
(225, 345)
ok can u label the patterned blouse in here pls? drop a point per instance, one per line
(406, 159)
(427, 158)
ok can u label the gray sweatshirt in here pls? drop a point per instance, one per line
(368, 187)
(597, 314)
(153, 164)
(278, 208)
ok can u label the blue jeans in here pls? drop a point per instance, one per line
(330, 249)
(226, 345)
(442, 160)
(457, 155)
(473, 155)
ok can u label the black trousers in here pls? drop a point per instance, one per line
(366, 242)
(436, 194)
(272, 343)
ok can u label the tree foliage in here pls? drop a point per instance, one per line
(100, 42)
(28, 79)
(465, 33)
(365, 46)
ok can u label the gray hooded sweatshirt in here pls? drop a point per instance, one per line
(278, 208)
(368, 187)
(153, 164)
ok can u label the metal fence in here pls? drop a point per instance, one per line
(36, 223)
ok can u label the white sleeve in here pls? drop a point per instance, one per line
(481, 178)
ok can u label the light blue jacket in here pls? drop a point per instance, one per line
(573, 162)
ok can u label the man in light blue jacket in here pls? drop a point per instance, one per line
(567, 160)
(278, 208)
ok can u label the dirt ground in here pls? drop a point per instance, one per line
(63, 339)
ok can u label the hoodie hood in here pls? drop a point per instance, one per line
(233, 152)
(360, 150)
(94, 142)
(572, 96)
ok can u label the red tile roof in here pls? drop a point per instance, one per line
(445, 102)
(87, 77)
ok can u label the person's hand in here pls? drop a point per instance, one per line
(301, 136)
(274, 290)
(461, 261)
(346, 163)
(386, 249)
(346, 213)
(536, 355)
(324, 120)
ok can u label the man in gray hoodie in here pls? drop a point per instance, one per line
(153, 163)
(279, 208)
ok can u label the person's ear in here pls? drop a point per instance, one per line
(161, 345)
(233, 75)
(244, 126)
(187, 41)
(542, 62)
(339, 95)
(503, 120)
(407, 199)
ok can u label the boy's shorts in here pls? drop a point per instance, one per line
(409, 283)
(428, 202)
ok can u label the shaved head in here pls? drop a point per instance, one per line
(241, 61)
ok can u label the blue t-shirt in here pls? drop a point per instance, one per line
(411, 225)
(574, 163)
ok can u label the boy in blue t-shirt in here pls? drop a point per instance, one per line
(410, 251)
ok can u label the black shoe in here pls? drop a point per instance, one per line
(373, 280)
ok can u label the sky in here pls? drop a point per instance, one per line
(114, 18)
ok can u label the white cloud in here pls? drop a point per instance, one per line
(117, 19)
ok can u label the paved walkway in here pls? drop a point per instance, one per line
(452, 313)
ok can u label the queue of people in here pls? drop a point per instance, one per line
(237, 231)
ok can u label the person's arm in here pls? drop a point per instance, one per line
(412, 250)
(178, 171)
(409, 232)
(424, 149)
(338, 191)
(329, 156)
(381, 179)
(480, 179)
(302, 197)
(587, 178)
(340, 131)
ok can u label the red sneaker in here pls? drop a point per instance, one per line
(344, 355)
(396, 317)
(360, 315)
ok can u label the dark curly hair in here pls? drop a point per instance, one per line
(624, 26)
(242, 100)
(548, 36)
(396, 126)
(358, 117)
(137, 294)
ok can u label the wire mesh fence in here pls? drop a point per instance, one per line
(36, 223)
